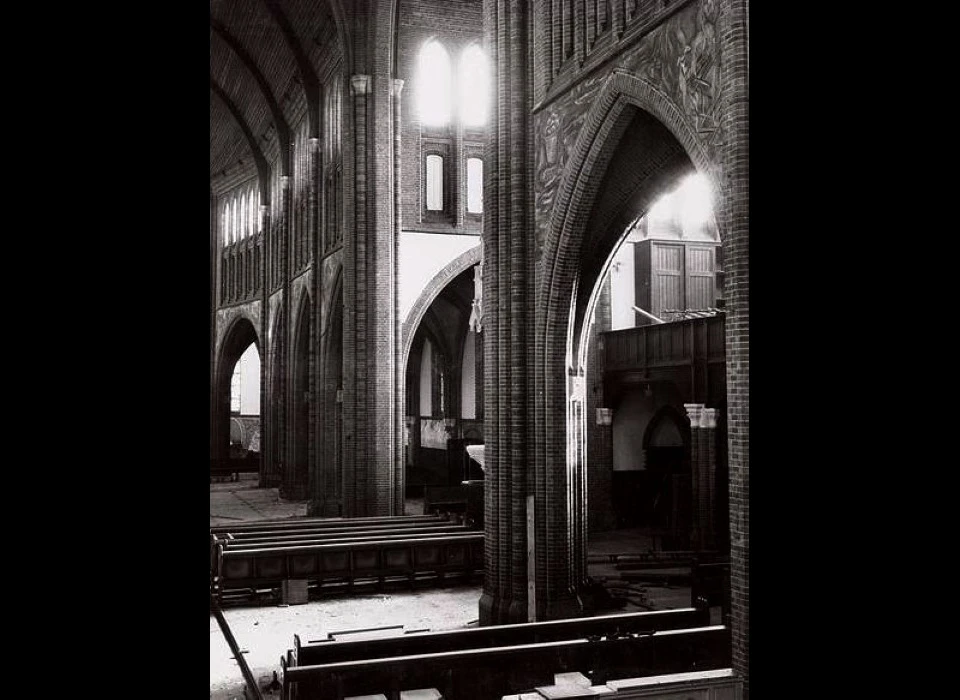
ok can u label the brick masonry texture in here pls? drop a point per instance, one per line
(580, 86)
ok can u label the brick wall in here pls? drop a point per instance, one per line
(455, 24)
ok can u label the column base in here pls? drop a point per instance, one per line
(501, 611)
(562, 607)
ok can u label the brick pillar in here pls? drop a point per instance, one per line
(399, 426)
(708, 466)
(734, 218)
(507, 279)
(370, 424)
(696, 474)
(599, 436)
(281, 394)
(315, 477)
(215, 259)
(268, 467)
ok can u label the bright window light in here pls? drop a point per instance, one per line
(434, 182)
(661, 212)
(226, 223)
(694, 202)
(474, 185)
(474, 86)
(243, 216)
(434, 82)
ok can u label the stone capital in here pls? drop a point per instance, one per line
(397, 87)
(360, 84)
(708, 418)
(693, 413)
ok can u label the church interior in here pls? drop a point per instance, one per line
(479, 349)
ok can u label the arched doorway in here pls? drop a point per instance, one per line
(625, 159)
(237, 382)
(443, 394)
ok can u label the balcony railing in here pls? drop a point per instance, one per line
(665, 345)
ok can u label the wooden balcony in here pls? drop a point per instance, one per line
(690, 353)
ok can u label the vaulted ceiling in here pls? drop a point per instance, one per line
(267, 58)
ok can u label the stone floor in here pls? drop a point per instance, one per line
(266, 632)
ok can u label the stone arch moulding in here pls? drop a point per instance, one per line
(620, 91)
(301, 297)
(459, 264)
(227, 326)
(330, 296)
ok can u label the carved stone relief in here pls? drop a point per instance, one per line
(680, 58)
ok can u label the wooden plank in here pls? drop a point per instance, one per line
(494, 672)
(502, 635)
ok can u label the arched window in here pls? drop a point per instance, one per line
(252, 213)
(434, 85)
(225, 231)
(474, 86)
(434, 182)
(474, 185)
(244, 219)
(235, 222)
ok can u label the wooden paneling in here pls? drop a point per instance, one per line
(667, 276)
(700, 277)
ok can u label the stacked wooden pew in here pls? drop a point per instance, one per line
(339, 552)
(492, 662)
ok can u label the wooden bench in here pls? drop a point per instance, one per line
(298, 527)
(482, 674)
(715, 684)
(324, 652)
(320, 523)
(348, 562)
(294, 535)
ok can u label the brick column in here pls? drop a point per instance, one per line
(370, 423)
(708, 465)
(268, 468)
(281, 394)
(315, 477)
(214, 296)
(507, 279)
(599, 436)
(697, 486)
(399, 425)
(732, 30)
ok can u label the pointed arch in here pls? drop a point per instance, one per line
(455, 267)
(474, 86)
(434, 84)
(237, 337)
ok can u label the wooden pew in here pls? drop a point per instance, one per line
(314, 523)
(324, 652)
(296, 529)
(482, 674)
(349, 562)
(292, 536)
(236, 545)
(715, 684)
